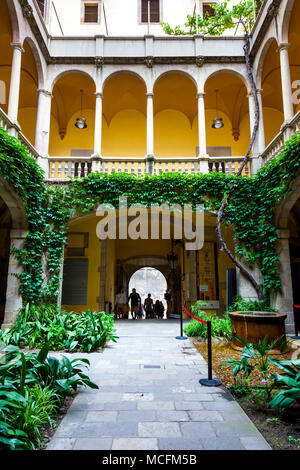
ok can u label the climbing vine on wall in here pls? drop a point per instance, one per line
(250, 210)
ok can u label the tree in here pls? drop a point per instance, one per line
(227, 17)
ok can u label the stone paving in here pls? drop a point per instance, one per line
(150, 399)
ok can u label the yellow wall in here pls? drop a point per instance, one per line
(273, 120)
(93, 253)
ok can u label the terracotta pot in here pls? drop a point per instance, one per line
(255, 326)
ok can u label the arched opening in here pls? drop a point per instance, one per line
(28, 93)
(294, 54)
(175, 112)
(67, 104)
(272, 93)
(124, 111)
(6, 38)
(294, 245)
(5, 228)
(149, 280)
(227, 92)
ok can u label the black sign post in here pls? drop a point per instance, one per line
(209, 382)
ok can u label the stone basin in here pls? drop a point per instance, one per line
(254, 326)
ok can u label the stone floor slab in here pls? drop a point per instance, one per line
(92, 443)
(135, 444)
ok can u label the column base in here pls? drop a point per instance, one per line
(150, 160)
(96, 162)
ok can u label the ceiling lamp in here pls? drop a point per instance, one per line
(80, 121)
(218, 121)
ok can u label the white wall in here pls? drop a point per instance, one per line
(123, 17)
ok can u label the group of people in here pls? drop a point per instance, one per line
(138, 310)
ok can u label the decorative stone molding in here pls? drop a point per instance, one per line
(62, 132)
(283, 46)
(26, 9)
(99, 62)
(200, 59)
(149, 61)
(236, 133)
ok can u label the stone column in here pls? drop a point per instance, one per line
(150, 134)
(284, 299)
(201, 125)
(288, 109)
(255, 159)
(261, 128)
(202, 155)
(13, 296)
(98, 125)
(193, 276)
(14, 89)
(42, 129)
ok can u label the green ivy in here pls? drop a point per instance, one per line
(49, 209)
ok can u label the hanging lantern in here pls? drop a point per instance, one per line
(218, 121)
(80, 121)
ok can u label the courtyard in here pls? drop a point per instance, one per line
(150, 399)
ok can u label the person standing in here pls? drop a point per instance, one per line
(134, 300)
(148, 306)
(120, 303)
(168, 298)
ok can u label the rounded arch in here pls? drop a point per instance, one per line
(261, 60)
(15, 24)
(228, 70)
(283, 209)
(14, 204)
(286, 20)
(38, 61)
(178, 72)
(64, 73)
(149, 280)
(123, 72)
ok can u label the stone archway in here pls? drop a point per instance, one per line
(14, 223)
(149, 280)
(287, 220)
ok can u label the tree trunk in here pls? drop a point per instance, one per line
(226, 199)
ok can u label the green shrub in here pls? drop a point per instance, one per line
(220, 326)
(290, 380)
(242, 305)
(36, 325)
(32, 387)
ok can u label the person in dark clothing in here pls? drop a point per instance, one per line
(134, 300)
(148, 306)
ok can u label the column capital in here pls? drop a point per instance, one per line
(42, 91)
(149, 95)
(17, 46)
(99, 94)
(283, 46)
(201, 94)
(283, 234)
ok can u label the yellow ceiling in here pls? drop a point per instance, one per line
(123, 91)
(176, 91)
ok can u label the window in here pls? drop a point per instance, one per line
(91, 12)
(207, 9)
(154, 11)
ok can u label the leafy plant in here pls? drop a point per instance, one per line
(220, 326)
(31, 388)
(38, 409)
(242, 305)
(254, 356)
(290, 380)
(37, 325)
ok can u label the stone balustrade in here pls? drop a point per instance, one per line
(14, 130)
(60, 168)
(277, 144)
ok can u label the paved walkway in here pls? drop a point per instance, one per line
(150, 398)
